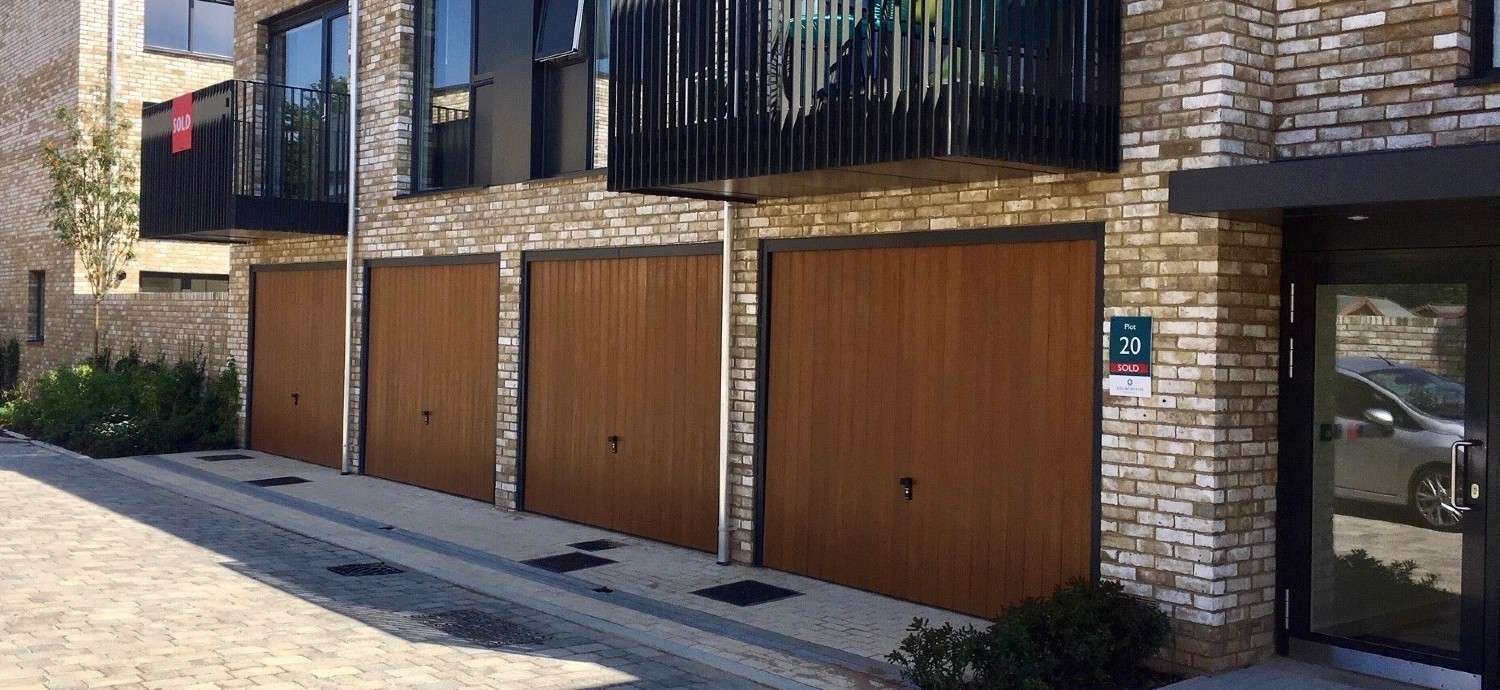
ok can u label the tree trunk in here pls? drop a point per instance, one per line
(97, 304)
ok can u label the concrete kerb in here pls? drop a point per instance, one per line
(465, 574)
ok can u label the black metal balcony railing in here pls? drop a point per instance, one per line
(728, 97)
(264, 161)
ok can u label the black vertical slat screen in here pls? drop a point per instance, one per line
(250, 140)
(709, 91)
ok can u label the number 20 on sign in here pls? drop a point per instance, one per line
(1130, 356)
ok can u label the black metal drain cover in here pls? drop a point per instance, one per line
(365, 569)
(223, 456)
(568, 562)
(747, 593)
(596, 545)
(484, 629)
(278, 481)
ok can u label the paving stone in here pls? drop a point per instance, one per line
(114, 583)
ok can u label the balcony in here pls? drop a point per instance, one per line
(247, 161)
(753, 99)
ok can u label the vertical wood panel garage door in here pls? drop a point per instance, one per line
(296, 366)
(969, 369)
(431, 377)
(625, 348)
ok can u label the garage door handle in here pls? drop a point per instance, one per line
(295, 398)
(427, 417)
(614, 444)
(906, 486)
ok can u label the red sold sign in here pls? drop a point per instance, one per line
(182, 123)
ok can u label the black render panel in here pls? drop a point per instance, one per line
(265, 161)
(708, 92)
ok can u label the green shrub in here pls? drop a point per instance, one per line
(130, 407)
(1086, 635)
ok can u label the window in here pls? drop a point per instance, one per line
(155, 281)
(192, 26)
(486, 112)
(1486, 38)
(307, 150)
(572, 56)
(559, 33)
(36, 305)
(443, 130)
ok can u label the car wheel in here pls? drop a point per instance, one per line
(1429, 499)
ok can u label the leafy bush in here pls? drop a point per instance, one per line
(10, 364)
(1358, 571)
(1086, 635)
(130, 407)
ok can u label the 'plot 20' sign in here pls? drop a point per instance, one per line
(1130, 356)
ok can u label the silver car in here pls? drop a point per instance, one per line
(1393, 427)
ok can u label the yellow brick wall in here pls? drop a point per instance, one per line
(55, 54)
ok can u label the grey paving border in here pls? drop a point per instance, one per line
(707, 622)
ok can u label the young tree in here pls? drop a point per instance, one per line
(94, 204)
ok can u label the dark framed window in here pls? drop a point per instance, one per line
(1486, 38)
(498, 100)
(36, 306)
(572, 86)
(442, 145)
(157, 281)
(307, 150)
(205, 27)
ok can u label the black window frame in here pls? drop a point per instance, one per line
(184, 281)
(1483, 37)
(278, 27)
(36, 306)
(421, 76)
(549, 125)
(191, 49)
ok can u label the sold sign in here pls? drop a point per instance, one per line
(1130, 356)
(182, 123)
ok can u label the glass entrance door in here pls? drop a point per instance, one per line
(1389, 368)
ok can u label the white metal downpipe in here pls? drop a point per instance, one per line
(725, 342)
(114, 39)
(353, 194)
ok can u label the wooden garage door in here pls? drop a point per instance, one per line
(296, 365)
(969, 369)
(431, 377)
(625, 349)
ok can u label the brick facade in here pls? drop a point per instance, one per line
(1190, 473)
(55, 55)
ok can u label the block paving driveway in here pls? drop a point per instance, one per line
(108, 582)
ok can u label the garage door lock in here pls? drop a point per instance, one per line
(295, 399)
(614, 444)
(427, 417)
(906, 485)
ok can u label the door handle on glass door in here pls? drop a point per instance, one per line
(1459, 448)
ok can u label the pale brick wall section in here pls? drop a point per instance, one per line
(1436, 345)
(45, 51)
(40, 72)
(1378, 74)
(187, 325)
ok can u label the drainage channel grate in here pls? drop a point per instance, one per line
(568, 562)
(223, 456)
(279, 481)
(484, 629)
(747, 593)
(596, 545)
(364, 569)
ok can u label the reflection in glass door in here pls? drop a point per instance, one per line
(1394, 547)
